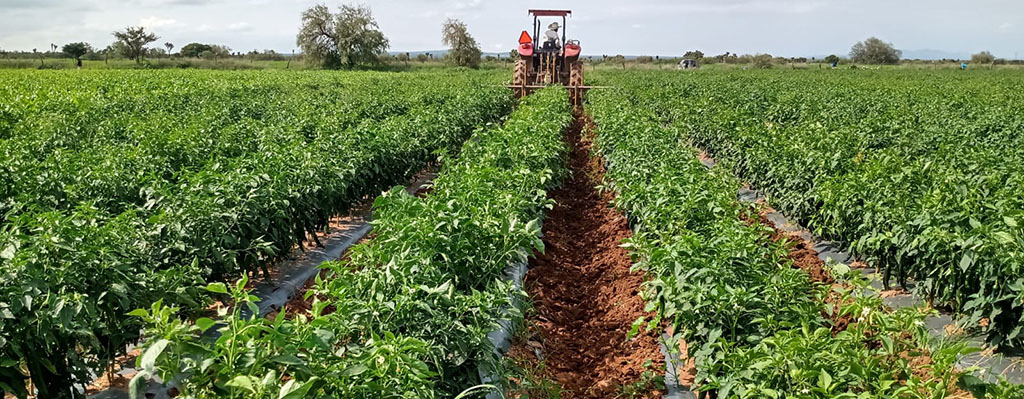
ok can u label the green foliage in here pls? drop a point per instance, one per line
(123, 188)
(919, 174)
(756, 326)
(133, 41)
(983, 57)
(875, 51)
(464, 51)
(76, 50)
(347, 38)
(194, 50)
(695, 55)
(408, 314)
(761, 61)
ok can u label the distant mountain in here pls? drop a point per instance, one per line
(931, 54)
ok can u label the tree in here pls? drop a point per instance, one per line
(77, 50)
(695, 55)
(983, 57)
(728, 58)
(762, 61)
(618, 59)
(464, 50)
(832, 59)
(403, 57)
(134, 41)
(221, 50)
(875, 51)
(421, 57)
(194, 50)
(347, 38)
(169, 47)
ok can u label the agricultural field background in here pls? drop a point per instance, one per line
(137, 205)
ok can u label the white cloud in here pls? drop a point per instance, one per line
(239, 26)
(157, 22)
(1006, 27)
(467, 4)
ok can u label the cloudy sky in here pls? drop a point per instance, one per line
(633, 27)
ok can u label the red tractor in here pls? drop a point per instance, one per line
(548, 59)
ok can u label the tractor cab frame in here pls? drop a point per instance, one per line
(537, 14)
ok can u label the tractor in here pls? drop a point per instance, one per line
(548, 59)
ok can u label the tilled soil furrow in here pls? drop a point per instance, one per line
(585, 297)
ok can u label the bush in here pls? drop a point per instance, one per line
(762, 61)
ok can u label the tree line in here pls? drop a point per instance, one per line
(351, 37)
(347, 38)
(872, 51)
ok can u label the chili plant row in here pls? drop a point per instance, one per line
(753, 325)
(408, 313)
(239, 195)
(919, 172)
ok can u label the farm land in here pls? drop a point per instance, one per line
(142, 208)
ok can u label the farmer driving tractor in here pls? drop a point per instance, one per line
(551, 40)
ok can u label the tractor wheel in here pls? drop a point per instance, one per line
(575, 82)
(519, 75)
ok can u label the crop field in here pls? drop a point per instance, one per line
(556, 252)
(121, 189)
(920, 175)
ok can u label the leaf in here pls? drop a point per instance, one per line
(967, 260)
(291, 391)
(204, 323)
(1010, 221)
(824, 380)
(139, 313)
(354, 370)
(974, 385)
(148, 360)
(1003, 237)
(241, 382)
(137, 386)
(635, 328)
(290, 360)
(8, 252)
(219, 288)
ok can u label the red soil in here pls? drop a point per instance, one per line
(586, 299)
(801, 252)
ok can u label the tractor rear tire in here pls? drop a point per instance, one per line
(575, 83)
(519, 77)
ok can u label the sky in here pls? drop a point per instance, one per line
(789, 28)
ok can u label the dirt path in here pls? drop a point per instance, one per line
(585, 297)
